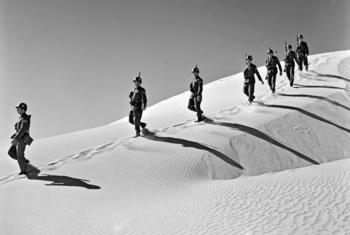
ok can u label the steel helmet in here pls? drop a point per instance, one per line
(195, 69)
(249, 57)
(138, 79)
(301, 36)
(22, 106)
(290, 46)
(269, 51)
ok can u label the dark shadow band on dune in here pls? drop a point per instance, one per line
(296, 85)
(192, 144)
(330, 76)
(263, 136)
(317, 97)
(60, 180)
(307, 113)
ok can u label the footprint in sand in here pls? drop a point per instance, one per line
(301, 129)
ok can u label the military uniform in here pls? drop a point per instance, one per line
(271, 65)
(21, 139)
(249, 80)
(302, 51)
(194, 103)
(290, 65)
(138, 101)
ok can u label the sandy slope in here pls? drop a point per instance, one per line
(100, 181)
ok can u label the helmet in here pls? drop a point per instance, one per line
(300, 36)
(138, 79)
(269, 51)
(195, 69)
(249, 57)
(22, 106)
(290, 46)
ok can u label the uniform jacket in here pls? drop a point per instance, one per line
(249, 72)
(272, 63)
(302, 48)
(196, 86)
(138, 98)
(290, 57)
(22, 127)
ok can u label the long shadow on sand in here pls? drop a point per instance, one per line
(330, 76)
(307, 113)
(263, 136)
(192, 144)
(60, 180)
(319, 86)
(317, 97)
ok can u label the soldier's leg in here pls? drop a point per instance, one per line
(190, 105)
(245, 89)
(300, 62)
(292, 75)
(306, 63)
(273, 82)
(20, 148)
(137, 121)
(12, 152)
(198, 108)
(269, 80)
(251, 91)
(286, 69)
(142, 124)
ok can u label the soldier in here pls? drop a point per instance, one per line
(138, 102)
(271, 64)
(249, 79)
(302, 51)
(196, 88)
(21, 138)
(289, 65)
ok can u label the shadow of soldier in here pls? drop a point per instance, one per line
(330, 76)
(262, 136)
(59, 180)
(317, 97)
(192, 144)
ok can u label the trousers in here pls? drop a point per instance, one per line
(16, 152)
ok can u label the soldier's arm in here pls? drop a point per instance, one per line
(279, 65)
(257, 73)
(307, 48)
(24, 129)
(131, 96)
(144, 99)
(200, 87)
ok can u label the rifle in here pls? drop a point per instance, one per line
(285, 46)
(297, 40)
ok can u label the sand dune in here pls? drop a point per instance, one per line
(280, 166)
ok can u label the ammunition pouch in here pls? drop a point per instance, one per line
(27, 139)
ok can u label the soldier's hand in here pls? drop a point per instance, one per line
(143, 108)
(14, 142)
(199, 98)
(262, 82)
(280, 73)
